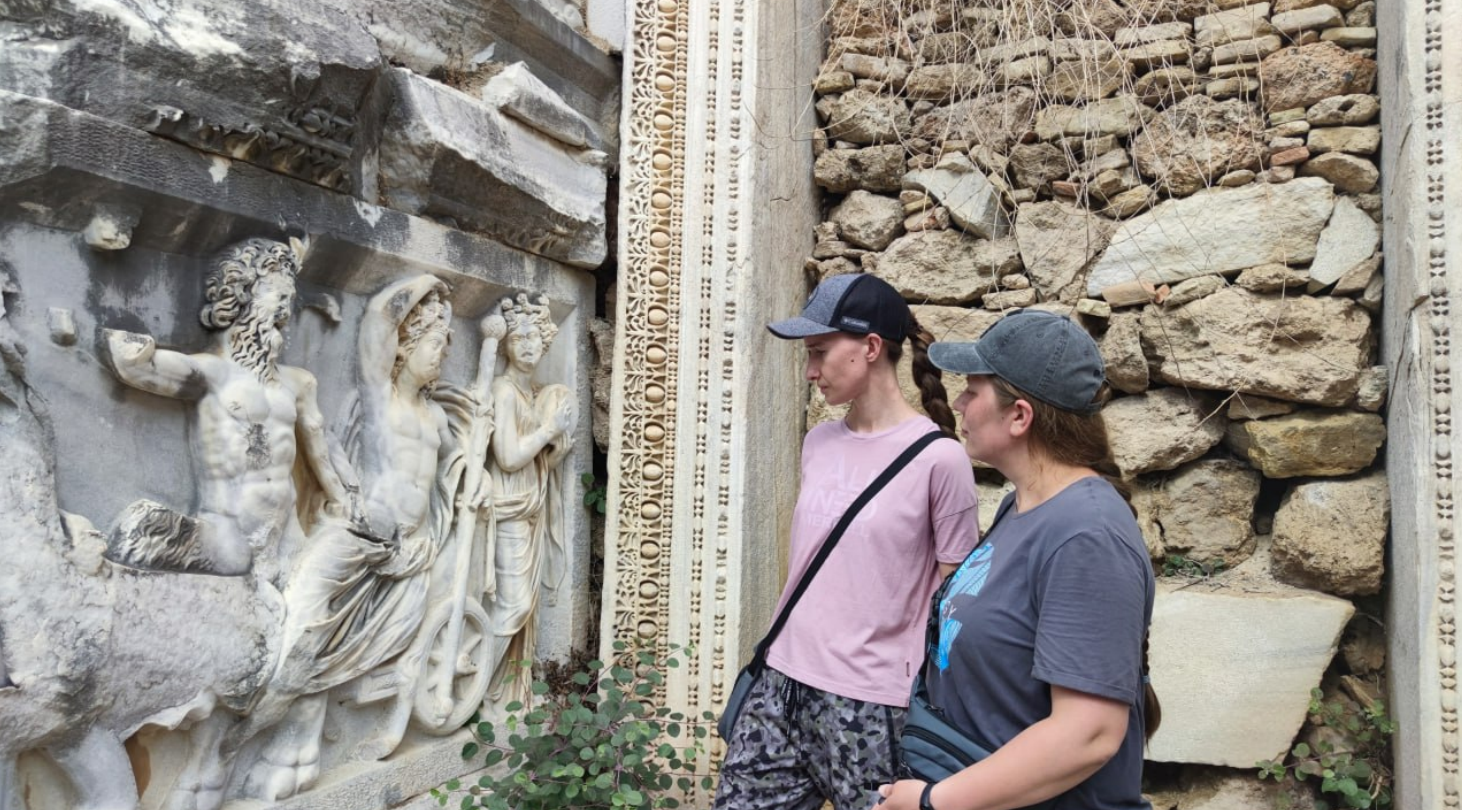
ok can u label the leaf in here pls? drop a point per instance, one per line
(1301, 750)
(469, 750)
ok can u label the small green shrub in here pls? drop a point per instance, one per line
(1358, 778)
(595, 496)
(1176, 565)
(604, 747)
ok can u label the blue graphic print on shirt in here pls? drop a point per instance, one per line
(969, 579)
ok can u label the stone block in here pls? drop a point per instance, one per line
(1239, 24)
(445, 154)
(946, 267)
(1233, 695)
(1349, 240)
(1009, 299)
(1158, 54)
(1122, 116)
(1310, 443)
(875, 168)
(1083, 80)
(1030, 70)
(1166, 86)
(1314, 17)
(1035, 165)
(1306, 75)
(868, 220)
(1295, 348)
(1192, 142)
(1193, 289)
(1331, 535)
(1351, 37)
(1121, 347)
(1206, 510)
(1216, 231)
(1247, 50)
(1161, 429)
(1248, 406)
(1267, 278)
(994, 120)
(1352, 140)
(1146, 34)
(1057, 242)
(1347, 110)
(888, 69)
(861, 117)
(1348, 173)
(973, 203)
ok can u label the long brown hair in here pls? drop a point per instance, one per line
(929, 379)
(1080, 440)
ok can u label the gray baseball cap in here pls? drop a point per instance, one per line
(854, 302)
(1041, 353)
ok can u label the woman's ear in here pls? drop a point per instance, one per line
(872, 346)
(1022, 417)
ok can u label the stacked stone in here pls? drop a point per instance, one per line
(1195, 182)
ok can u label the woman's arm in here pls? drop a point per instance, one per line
(1052, 756)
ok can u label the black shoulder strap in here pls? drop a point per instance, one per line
(837, 534)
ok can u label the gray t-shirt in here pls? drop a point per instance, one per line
(1058, 596)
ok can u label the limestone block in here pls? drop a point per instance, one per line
(1347, 242)
(1189, 144)
(1241, 177)
(1091, 307)
(1129, 203)
(890, 69)
(1244, 23)
(945, 47)
(1030, 70)
(1248, 406)
(1166, 85)
(1247, 50)
(445, 154)
(1314, 17)
(1296, 348)
(868, 220)
(1032, 46)
(1121, 349)
(1362, 16)
(1348, 173)
(831, 82)
(1374, 384)
(1058, 240)
(1193, 289)
(1268, 278)
(1233, 695)
(1351, 37)
(1089, 50)
(1237, 87)
(1009, 299)
(1347, 110)
(1353, 140)
(1217, 231)
(1161, 429)
(875, 168)
(1122, 116)
(1036, 165)
(1359, 280)
(861, 117)
(1331, 535)
(973, 203)
(995, 120)
(1299, 77)
(946, 267)
(521, 95)
(939, 82)
(1147, 34)
(1310, 443)
(1207, 511)
(1158, 54)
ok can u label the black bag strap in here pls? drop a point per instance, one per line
(931, 627)
(759, 659)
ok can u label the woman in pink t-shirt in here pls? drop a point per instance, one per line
(821, 721)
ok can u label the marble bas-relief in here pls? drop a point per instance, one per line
(320, 569)
(252, 415)
(526, 524)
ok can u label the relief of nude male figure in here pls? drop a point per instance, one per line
(252, 417)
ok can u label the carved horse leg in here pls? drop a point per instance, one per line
(290, 760)
(393, 729)
(204, 777)
(99, 770)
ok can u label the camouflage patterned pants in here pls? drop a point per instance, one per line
(795, 746)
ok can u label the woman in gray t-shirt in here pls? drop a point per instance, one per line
(1042, 633)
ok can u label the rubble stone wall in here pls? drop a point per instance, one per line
(1196, 183)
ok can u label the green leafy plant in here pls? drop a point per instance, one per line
(594, 495)
(602, 745)
(1176, 565)
(1357, 776)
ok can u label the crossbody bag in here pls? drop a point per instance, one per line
(749, 673)
(931, 748)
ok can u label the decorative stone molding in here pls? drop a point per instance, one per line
(714, 211)
(1420, 173)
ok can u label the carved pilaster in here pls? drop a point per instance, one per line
(717, 208)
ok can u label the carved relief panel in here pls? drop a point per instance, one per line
(282, 500)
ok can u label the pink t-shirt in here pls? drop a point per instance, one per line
(858, 631)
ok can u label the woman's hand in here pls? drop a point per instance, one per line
(901, 795)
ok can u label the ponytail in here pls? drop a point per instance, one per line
(927, 377)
